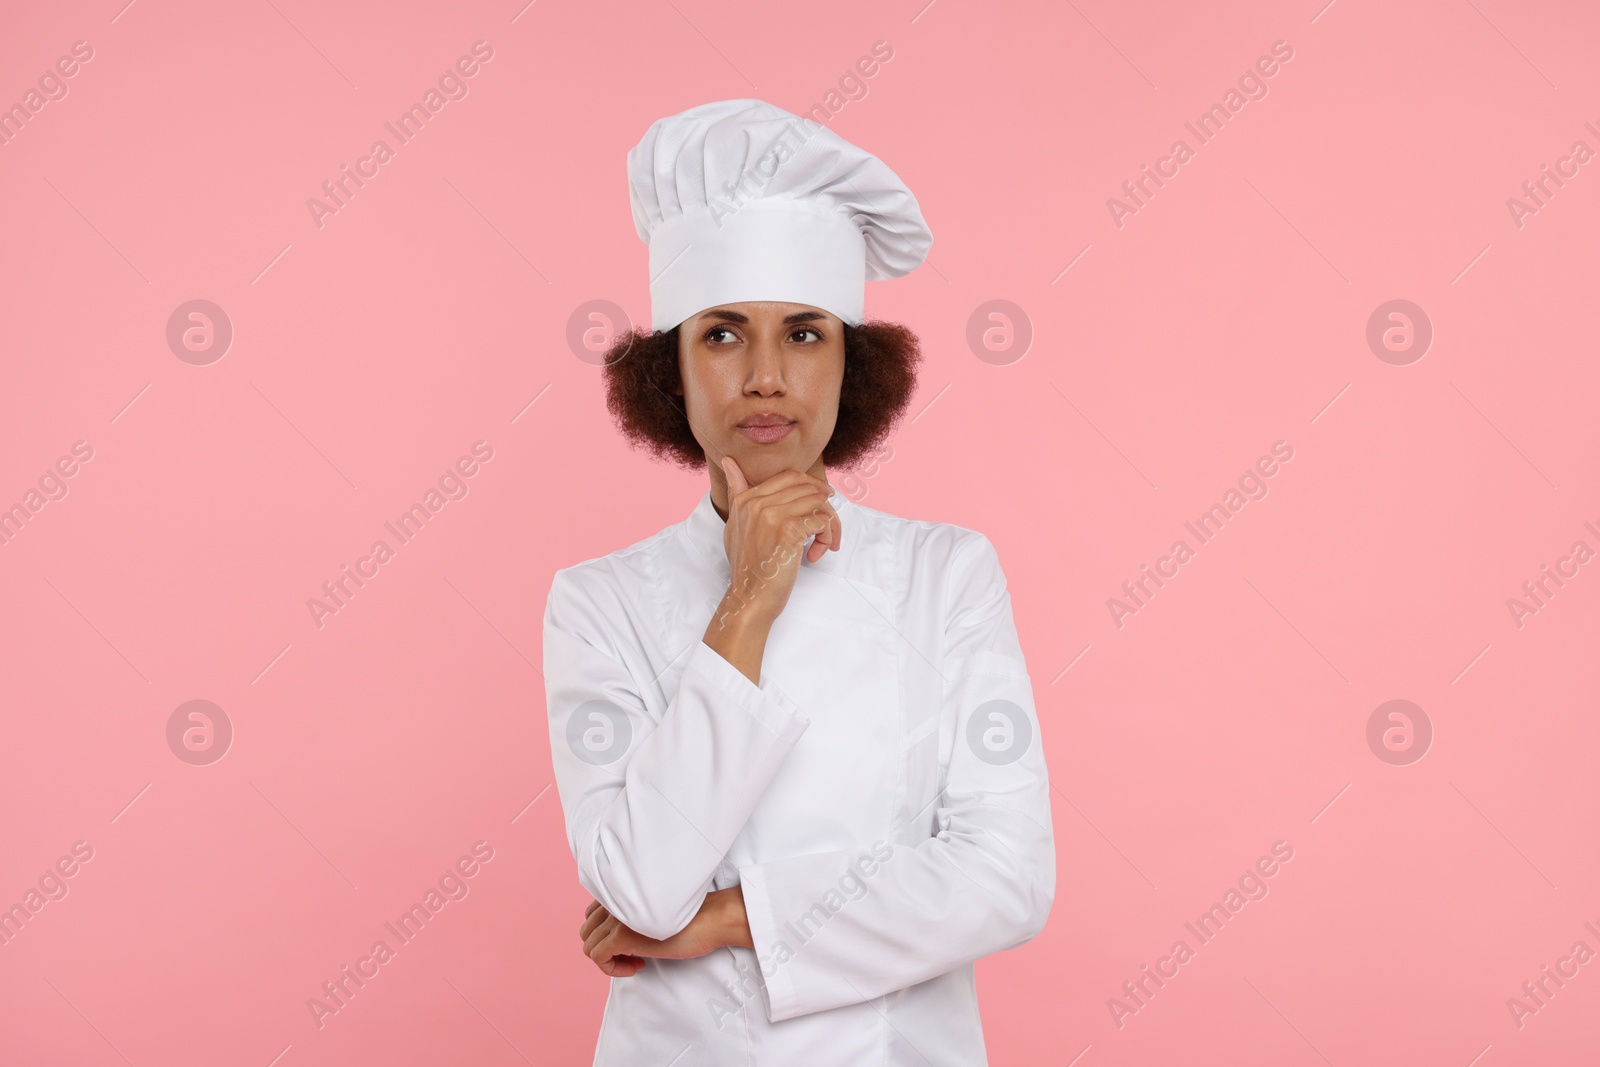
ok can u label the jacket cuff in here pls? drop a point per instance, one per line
(764, 934)
(766, 703)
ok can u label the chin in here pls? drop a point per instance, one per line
(760, 463)
(761, 466)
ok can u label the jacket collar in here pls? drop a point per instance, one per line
(704, 529)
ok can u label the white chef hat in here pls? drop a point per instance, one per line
(741, 200)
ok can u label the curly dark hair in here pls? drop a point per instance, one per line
(880, 371)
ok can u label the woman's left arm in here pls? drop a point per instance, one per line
(839, 928)
(621, 951)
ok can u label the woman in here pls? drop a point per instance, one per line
(794, 737)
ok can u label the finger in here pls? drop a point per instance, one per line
(618, 939)
(737, 483)
(621, 966)
(818, 517)
(821, 526)
(792, 502)
(826, 540)
(618, 967)
(809, 531)
(592, 919)
(595, 941)
(787, 478)
(825, 518)
(789, 524)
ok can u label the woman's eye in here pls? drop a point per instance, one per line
(807, 329)
(712, 333)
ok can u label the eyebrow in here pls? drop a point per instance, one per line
(740, 317)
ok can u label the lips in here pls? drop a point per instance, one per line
(765, 427)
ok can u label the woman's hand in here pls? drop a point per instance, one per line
(620, 952)
(767, 530)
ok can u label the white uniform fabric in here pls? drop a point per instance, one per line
(741, 200)
(881, 796)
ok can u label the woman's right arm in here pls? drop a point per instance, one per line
(652, 806)
(767, 531)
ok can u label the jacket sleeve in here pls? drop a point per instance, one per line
(652, 801)
(844, 927)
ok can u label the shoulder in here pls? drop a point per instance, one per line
(928, 539)
(951, 581)
(607, 587)
(962, 556)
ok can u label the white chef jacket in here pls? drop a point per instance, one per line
(881, 796)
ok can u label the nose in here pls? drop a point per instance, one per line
(764, 373)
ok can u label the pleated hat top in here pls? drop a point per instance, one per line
(741, 200)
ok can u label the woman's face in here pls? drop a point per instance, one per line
(761, 384)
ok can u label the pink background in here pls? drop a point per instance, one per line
(1228, 313)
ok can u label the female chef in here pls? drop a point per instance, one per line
(794, 737)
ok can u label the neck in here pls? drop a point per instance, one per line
(719, 484)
